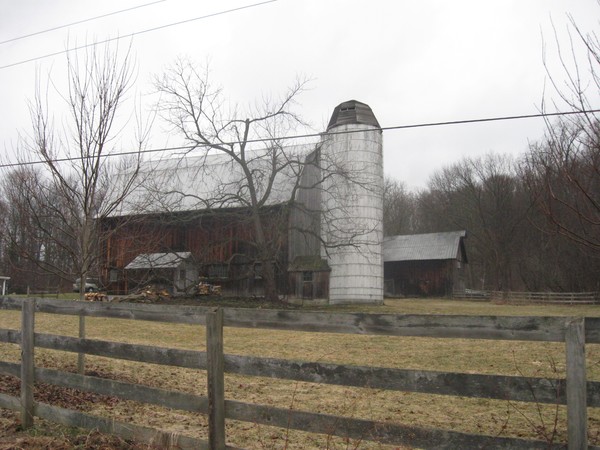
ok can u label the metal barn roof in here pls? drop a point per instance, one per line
(208, 181)
(170, 260)
(422, 247)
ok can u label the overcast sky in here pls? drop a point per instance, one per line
(411, 61)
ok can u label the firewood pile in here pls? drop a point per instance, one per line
(147, 294)
(96, 297)
(208, 289)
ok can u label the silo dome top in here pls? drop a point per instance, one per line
(352, 112)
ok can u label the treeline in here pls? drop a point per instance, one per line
(42, 224)
(533, 223)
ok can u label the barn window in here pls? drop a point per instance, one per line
(307, 276)
(113, 275)
(258, 270)
(182, 274)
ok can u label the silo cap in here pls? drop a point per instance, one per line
(352, 112)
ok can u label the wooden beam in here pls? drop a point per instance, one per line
(216, 379)
(521, 389)
(156, 438)
(10, 336)
(576, 384)
(128, 391)
(27, 362)
(383, 433)
(81, 355)
(10, 402)
(131, 352)
(526, 328)
(501, 387)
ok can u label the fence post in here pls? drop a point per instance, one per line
(576, 383)
(81, 356)
(216, 379)
(27, 363)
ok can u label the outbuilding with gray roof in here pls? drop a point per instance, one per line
(431, 264)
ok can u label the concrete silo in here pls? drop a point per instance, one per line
(352, 204)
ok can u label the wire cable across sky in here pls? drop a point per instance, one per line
(328, 133)
(79, 22)
(137, 33)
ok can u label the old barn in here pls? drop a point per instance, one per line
(322, 219)
(431, 264)
(217, 247)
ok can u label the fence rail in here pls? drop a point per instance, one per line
(516, 297)
(574, 391)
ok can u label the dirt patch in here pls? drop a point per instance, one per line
(46, 435)
(57, 396)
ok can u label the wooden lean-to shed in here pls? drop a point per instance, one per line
(173, 270)
(432, 264)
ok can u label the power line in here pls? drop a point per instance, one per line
(136, 33)
(78, 22)
(327, 133)
(491, 119)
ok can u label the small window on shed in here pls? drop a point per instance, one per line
(307, 276)
(348, 108)
(113, 275)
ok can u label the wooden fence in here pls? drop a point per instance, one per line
(515, 297)
(574, 391)
(42, 293)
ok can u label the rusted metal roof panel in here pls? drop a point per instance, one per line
(423, 247)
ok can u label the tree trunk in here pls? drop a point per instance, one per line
(266, 258)
(270, 281)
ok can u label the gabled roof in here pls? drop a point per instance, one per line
(211, 181)
(422, 247)
(169, 260)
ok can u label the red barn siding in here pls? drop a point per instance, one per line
(419, 278)
(211, 238)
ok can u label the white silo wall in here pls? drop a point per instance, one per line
(352, 218)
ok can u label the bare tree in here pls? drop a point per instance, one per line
(399, 214)
(75, 184)
(254, 172)
(562, 174)
(484, 197)
(23, 245)
(563, 169)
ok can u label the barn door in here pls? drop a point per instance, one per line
(308, 289)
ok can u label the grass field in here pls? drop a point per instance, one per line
(491, 417)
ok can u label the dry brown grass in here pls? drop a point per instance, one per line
(492, 417)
